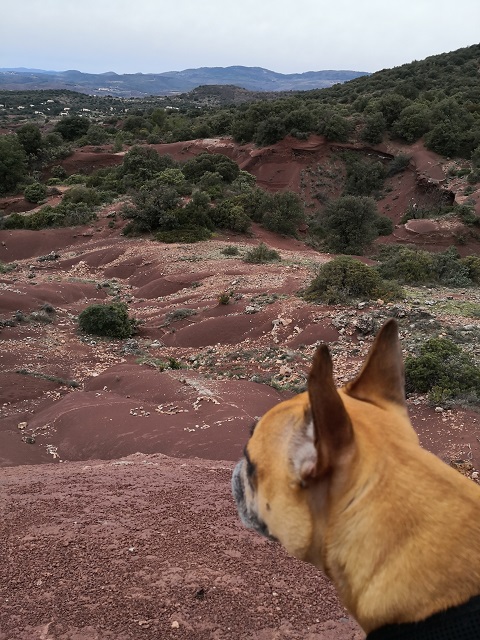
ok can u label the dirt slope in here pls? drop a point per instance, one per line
(148, 547)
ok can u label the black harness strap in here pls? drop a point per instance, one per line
(456, 623)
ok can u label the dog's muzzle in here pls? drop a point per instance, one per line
(246, 512)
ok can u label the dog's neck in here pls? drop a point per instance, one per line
(376, 542)
(457, 623)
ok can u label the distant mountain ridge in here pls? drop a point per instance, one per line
(171, 82)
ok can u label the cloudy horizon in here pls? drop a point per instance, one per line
(152, 36)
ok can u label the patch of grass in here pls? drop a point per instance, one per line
(37, 374)
(179, 314)
(161, 365)
(6, 267)
(463, 308)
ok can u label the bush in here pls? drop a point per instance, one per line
(58, 172)
(283, 214)
(416, 266)
(76, 178)
(230, 215)
(344, 278)
(444, 371)
(65, 215)
(210, 162)
(350, 224)
(261, 255)
(224, 297)
(231, 250)
(110, 320)
(384, 226)
(13, 163)
(72, 127)
(13, 221)
(179, 314)
(473, 265)
(398, 164)
(364, 178)
(35, 192)
(83, 194)
(184, 235)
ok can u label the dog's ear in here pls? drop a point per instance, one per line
(331, 425)
(381, 379)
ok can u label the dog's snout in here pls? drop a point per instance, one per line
(246, 512)
(237, 485)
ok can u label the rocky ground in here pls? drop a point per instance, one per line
(117, 520)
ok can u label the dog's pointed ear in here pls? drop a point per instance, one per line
(331, 425)
(381, 379)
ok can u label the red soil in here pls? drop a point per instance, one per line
(124, 549)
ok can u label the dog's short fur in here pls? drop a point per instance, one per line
(339, 478)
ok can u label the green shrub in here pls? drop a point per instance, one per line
(13, 221)
(474, 177)
(375, 126)
(64, 215)
(384, 226)
(35, 192)
(398, 164)
(283, 213)
(350, 224)
(450, 270)
(363, 178)
(472, 263)
(5, 268)
(183, 235)
(344, 279)
(224, 297)
(179, 314)
(443, 370)
(76, 178)
(230, 215)
(110, 320)
(261, 255)
(231, 250)
(416, 266)
(83, 194)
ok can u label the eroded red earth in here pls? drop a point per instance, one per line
(117, 518)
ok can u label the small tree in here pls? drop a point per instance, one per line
(284, 214)
(30, 138)
(72, 127)
(13, 163)
(350, 224)
(375, 126)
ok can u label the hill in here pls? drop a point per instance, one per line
(170, 82)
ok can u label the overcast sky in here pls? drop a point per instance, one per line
(151, 36)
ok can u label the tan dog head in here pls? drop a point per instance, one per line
(308, 442)
(338, 477)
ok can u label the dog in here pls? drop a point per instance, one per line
(338, 477)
